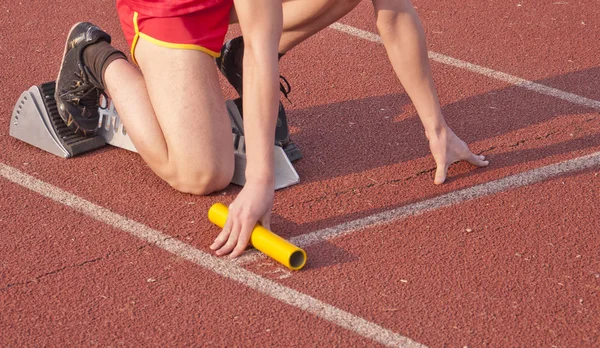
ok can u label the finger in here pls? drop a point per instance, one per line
(231, 241)
(223, 236)
(244, 237)
(477, 160)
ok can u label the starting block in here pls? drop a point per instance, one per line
(35, 120)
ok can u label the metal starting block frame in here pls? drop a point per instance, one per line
(35, 120)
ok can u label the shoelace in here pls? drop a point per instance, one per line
(84, 91)
(283, 89)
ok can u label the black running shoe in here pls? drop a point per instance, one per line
(78, 91)
(230, 65)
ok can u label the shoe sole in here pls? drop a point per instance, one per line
(56, 96)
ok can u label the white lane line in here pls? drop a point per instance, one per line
(449, 199)
(513, 80)
(220, 266)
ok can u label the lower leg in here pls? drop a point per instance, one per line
(125, 83)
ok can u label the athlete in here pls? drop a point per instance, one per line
(170, 100)
(402, 33)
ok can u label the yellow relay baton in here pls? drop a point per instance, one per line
(264, 240)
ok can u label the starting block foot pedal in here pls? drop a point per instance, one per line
(112, 129)
(285, 173)
(35, 120)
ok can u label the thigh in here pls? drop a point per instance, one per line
(184, 90)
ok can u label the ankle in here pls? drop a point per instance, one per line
(98, 56)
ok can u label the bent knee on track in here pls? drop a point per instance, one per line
(200, 181)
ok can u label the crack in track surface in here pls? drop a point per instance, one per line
(37, 279)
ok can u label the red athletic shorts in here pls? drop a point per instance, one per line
(186, 24)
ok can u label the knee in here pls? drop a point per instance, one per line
(201, 182)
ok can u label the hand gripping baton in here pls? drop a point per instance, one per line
(264, 240)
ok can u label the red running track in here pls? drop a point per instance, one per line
(518, 268)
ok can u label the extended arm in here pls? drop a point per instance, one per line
(261, 25)
(404, 39)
